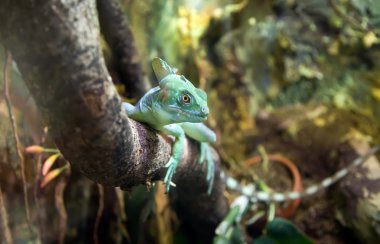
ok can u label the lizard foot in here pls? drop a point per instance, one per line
(206, 154)
(172, 166)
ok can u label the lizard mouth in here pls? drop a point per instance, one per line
(192, 115)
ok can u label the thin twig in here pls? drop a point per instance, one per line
(120, 204)
(37, 169)
(99, 213)
(264, 156)
(60, 206)
(122, 216)
(117, 33)
(15, 136)
(5, 233)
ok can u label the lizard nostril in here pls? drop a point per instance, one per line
(204, 110)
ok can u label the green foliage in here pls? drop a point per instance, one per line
(281, 231)
(236, 235)
(369, 9)
(309, 51)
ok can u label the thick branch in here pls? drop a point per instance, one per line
(118, 35)
(55, 45)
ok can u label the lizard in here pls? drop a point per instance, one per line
(176, 107)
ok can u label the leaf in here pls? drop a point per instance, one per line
(34, 149)
(233, 235)
(376, 93)
(370, 39)
(49, 163)
(265, 240)
(282, 231)
(52, 175)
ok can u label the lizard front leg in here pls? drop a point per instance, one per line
(177, 151)
(204, 135)
(173, 130)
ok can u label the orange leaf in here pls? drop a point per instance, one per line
(34, 149)
(49, 162)
(52, 175)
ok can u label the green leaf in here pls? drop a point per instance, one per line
(234, 235)
(284, 232)
(265, 240)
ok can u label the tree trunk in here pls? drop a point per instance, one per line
(56, 47)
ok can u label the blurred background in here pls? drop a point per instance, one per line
(299, 78)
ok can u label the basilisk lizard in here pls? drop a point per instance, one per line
(176, 108)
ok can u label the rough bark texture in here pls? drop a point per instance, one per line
(118, 35)
(190, 205)
(55, 45)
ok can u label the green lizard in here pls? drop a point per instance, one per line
(176, 108)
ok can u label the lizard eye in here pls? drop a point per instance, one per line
(185, 98)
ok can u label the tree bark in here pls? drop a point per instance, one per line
(55, 45)
(114, 26)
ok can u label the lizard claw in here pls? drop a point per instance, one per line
(206, 154)
(210, 172)
(172, 166)
(202, 156)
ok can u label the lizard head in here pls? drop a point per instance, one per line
(179, 100)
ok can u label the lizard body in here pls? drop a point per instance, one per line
(176, 108)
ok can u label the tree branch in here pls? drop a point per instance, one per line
(55, 45)
(116, 31)
(16, 137)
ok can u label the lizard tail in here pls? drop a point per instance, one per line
(311, 190)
